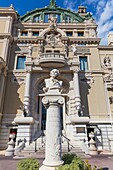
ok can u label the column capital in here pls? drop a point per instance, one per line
(50, 100)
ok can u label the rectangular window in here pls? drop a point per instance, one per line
(67, 19)
(56, 51)
(21, 62)
(48, 51)
(80, 34)
(36, 18)
(35, 33)
(46, 16)
(80, 129)
(83, 63)
(69, 34)
(24, 33)
(58, 18)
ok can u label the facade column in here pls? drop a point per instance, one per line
(76, 114)
(27, 94)
(25, 121)
(77, 91)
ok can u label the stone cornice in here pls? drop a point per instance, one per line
(28, 39)
(85, 40)
(104, 47)
(7, 36)
(8, 12)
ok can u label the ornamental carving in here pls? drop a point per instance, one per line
(108, 79)
(53, 39)
(53, 23)
(18, 80)
(88, 78)
(107, 61)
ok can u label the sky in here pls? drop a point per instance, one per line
(102, 11)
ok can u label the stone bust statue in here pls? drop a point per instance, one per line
(53, 82)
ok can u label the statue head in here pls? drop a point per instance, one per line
(54, 73)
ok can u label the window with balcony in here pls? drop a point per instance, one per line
(24, 33)
(36, 18)
(21, 62)
(80, 34)
(69, 33)
(35, 33)
(83, 63)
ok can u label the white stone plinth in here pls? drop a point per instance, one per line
(77, 119)
(24, 129)
(24, 120)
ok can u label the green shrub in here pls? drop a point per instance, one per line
(28, 164)
(73, 162)
(68, 158)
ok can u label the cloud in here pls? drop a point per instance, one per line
(102, 12)
(70, 4)
(104, 19)
(100, 6)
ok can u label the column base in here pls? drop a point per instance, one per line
(43, 167)
(53, 163)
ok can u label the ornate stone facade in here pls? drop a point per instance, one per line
(35, 44)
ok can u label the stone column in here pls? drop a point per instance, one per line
(76, 115)
(53, 131)
(77, 91)
(27, 93)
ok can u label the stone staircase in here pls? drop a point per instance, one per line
(4, 129)
(38, 146)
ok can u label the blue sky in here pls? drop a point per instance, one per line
(102, 11)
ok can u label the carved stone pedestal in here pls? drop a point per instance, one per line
(92, 148)
(10, 149)
(53, 131)
(53, 101)
(24, 129)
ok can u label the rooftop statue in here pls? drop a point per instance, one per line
(53, 82)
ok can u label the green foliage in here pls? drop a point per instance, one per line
(73, 162)
(68, 158)
(28, 164)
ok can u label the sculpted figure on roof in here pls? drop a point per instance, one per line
(53, 22)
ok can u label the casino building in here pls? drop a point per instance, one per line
(30, 47)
